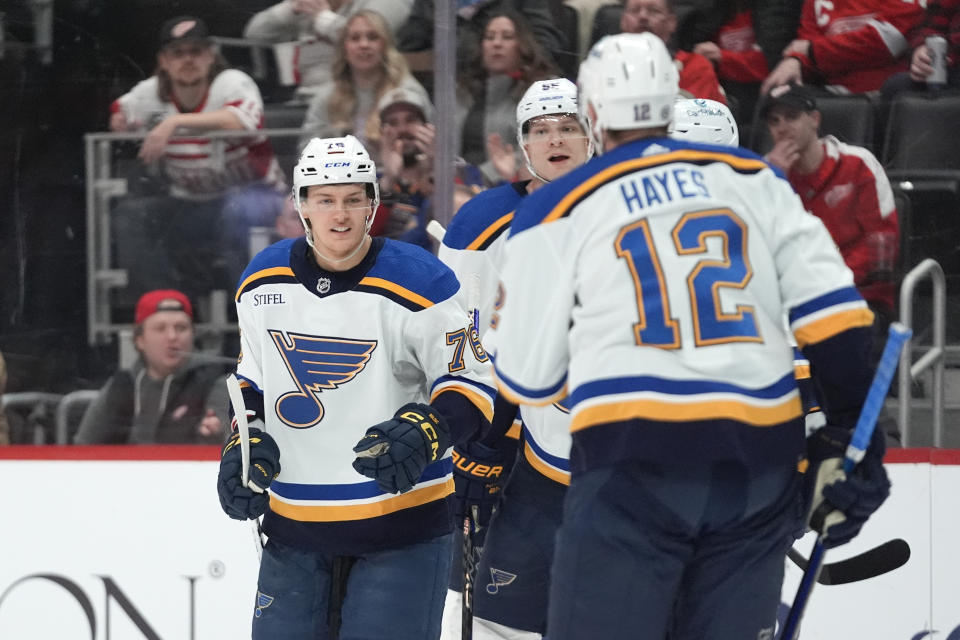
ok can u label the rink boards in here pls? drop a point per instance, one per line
(111, 543)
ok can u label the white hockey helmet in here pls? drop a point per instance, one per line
(557, 96)
(630, 81)
(701, 120)
(334, 161)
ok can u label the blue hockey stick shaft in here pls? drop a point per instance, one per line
(898, 336)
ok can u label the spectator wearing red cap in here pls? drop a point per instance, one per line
(169, 395)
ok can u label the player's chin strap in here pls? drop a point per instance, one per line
(533, 172)
(352, 253)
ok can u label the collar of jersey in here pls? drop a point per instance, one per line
(308, 272)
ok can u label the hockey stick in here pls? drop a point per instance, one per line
(243, 430)
(471, 520)
(890, 555)
(898, 336)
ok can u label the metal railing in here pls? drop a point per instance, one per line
(102, 187)
(933, 358)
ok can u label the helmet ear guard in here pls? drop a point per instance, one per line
(341, 160)
(630, 80)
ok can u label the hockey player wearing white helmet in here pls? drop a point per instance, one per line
(659, 274)
(513, 576)
(704, 121)
(337, 330)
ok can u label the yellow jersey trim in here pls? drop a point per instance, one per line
(687, 412)
(341, 513)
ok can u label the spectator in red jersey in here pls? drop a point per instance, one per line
(196, 236)
(697, 77)
(843, 185)
(170, 395)
(942, 19)
(849, 46)
(743, 38)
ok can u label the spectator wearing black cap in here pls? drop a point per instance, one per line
(845, 186)
(170, 395)
(196, 236)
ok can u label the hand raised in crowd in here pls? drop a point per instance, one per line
(502, 156)
(155, 144)
(921, 65)
(784, 155)
(787, 71)
(709, 50)
(309, 7)
(210, 425)
(392, 153)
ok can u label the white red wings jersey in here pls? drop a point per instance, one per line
(326, 359)
(856, 45)
(473, 248)
(198, 167)
(650, 285)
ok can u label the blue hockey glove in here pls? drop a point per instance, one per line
(395, 452)
(477, 471)
(242, 502)
(840, 505)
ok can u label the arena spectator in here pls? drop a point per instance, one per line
(697, 77)
(196, 237)
(406, 165)
(366, 66)
(942, 19)
(170, 395)
(315, 26)
(509, 60)
(472, 18)
(741, 30)
(843, 185)
(848, 46)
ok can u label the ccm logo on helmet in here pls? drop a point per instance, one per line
(336, 164)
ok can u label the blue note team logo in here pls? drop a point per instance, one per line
(316, 363)
(500, 578)
(263, 601)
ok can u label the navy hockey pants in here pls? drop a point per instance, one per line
(395, 594)
(694, 551)
(513, 579)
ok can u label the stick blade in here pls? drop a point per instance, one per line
(876, 562)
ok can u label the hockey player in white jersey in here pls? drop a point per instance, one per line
(658, 275)
(510, 598)
(338, 330)
(705, 121)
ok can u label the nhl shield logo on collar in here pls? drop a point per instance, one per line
(323, 285)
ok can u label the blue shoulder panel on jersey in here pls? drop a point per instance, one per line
(269, 266)
(482, 218)
(410, 276)
(557, 199)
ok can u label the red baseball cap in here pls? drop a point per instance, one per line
(162, 300)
